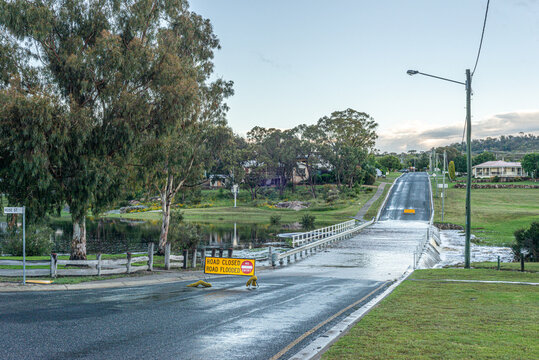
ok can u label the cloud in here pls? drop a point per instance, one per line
(500, 124)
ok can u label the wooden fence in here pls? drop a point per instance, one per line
(128, 265)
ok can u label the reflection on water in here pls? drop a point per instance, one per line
(121, 235)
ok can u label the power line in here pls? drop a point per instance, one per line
(482, 35)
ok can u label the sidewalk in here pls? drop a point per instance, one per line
(368, 204)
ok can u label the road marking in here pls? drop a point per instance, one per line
(302, 337)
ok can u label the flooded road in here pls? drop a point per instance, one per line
(226, 321)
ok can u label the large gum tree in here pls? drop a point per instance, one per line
(91, 80)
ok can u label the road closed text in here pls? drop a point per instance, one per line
(229, 266)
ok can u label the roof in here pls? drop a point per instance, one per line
(491, 164)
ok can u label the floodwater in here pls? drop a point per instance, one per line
(122, 235)
(453, 250)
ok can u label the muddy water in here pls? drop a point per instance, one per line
(453, 250)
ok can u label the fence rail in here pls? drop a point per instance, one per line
(130, 264)
(317, 234)
(310, 247)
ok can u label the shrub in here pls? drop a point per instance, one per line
(38, 241)
(496, 179)
(275, 219)
(369, 179)
(527, 240)
(183, 235)
(307, 221)
(332, 195)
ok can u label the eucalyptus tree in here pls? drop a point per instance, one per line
(350, 136)
(312, 151)
(176, 156)
(91, 79)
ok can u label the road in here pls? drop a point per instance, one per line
(171, 321)
(410, 191)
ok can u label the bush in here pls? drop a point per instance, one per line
(307, 221)
(527, 240)
(369, 179)
(183, 235)
(332, 195)
(38, 241)
(275, 219)
(496, 179)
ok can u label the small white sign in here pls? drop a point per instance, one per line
(13, 210)
(442, 186)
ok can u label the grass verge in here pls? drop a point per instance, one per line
(447, 320)
(496, 213)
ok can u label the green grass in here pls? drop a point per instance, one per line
(479, 274)
(514, 266)
(325, 214)
(72, 279)
(448, 320)
(496, 213)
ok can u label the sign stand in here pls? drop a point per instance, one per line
(20, 210)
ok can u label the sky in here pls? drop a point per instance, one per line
(295, 61)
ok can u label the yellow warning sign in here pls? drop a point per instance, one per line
(229, 266)
(409, 211)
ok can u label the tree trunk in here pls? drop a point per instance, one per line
(78, 242)
(165, 225)
(313, 187)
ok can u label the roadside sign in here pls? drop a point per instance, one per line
(409, 211)
(20, 210)
(13, 210)
(229, 266)
(443, 186)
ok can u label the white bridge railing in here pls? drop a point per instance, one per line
(318, 239)
(314, 235)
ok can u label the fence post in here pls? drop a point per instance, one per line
(150, 256)
(270, 251)
(185, 258)
(194, 259)
(203, 257)
(128, 263)
(54, 265)
(213, 251)
(99, 264)
(498, 262)
(230, 252)
(522, 262)
(167, 256)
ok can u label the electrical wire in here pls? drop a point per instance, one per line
(482, 35)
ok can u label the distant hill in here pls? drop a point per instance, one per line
(523, 143)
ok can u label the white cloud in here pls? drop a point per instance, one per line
(500, 124)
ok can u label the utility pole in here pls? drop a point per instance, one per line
(468, 85)
(443, 186)
(469, 167)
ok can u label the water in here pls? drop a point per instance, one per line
(453, 250)
(122, 235)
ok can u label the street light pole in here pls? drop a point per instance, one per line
(468, 85)
(469, 167)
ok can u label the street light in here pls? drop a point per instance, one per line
(468, 85)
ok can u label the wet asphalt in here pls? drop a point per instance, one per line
(226, 321)
(410, 191)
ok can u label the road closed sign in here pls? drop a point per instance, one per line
(229, 266)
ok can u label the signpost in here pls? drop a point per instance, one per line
(20, 210)
(229, 266)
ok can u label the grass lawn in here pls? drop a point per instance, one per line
(496, 213)
(448, 320)
(223, 211)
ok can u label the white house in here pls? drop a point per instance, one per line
(502, 169)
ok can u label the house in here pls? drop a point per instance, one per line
(501, 169)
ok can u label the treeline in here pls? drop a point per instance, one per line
(523, 143)
(102, 99)
(338, 145)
